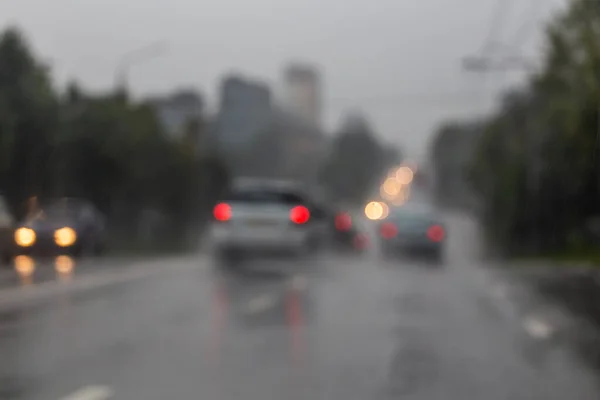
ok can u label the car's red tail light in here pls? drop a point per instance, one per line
(222, 212)
(388, 230)
(299, 215)
(436, 233)
(343, 222)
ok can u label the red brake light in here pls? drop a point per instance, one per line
(388, 230)
(222, 212)
(299, 215)
(343, 222)
(435, 233)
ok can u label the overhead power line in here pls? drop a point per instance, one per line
(450, 98)
(498, 19)
(528, 27)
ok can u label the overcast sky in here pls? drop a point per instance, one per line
(397, 60)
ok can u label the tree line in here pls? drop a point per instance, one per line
(114, 151)
(106, 148)
(356, 162)
(535, 164)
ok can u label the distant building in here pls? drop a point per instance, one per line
(177, 110)
(303, 92)
(245, 111)
(305, 146)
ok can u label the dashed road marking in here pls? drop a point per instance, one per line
(260, 304)
(536, 328)
(91, 393)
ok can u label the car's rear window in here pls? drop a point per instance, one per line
(265, 196)
(414, 218)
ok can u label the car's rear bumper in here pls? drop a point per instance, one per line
(265, 247)
(414, 245)
(257, 242)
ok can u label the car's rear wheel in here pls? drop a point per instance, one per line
(99, 248)
(227, 259)
(388, 252)
(438, 255)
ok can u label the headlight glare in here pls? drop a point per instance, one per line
(65, 237)
(25, 237)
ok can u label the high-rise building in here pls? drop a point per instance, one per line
(244, 112)
(303, 92)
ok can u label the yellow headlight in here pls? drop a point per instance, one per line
(25, 237)
(65, 237)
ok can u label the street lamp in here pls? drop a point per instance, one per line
(136, 56)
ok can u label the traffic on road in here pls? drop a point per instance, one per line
(293, 201)
(332, 325)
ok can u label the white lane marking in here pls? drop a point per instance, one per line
(260, 304)
(536, 328)
(299, 283)
(91, 393)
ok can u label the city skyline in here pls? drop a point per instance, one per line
(406, 76)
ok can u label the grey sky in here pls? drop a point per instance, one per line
(399, 60)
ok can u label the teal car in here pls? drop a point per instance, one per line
(412, 229)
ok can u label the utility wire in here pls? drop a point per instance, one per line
(407, 99)
(497, 22)
(528, 27)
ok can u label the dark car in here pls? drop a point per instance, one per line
(346, 235)
(65, 226)
(413, 229)
(6, 232)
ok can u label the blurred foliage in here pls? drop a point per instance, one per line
(450, 155)
(357, 162)
(106, 148)
(536, 166)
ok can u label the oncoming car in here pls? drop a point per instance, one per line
(413, 229)
(266, 218)
(346, 234)
(65, 226)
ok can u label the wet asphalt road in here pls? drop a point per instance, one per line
(331, 327)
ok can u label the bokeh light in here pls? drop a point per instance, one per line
(385, 209)
(392, 187)
(374, 210)
(404, 175)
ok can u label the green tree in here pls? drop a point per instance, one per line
(106, 148)
(536, 166)
(356, 162)
(28, 119)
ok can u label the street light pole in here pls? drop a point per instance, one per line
(136, 56)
